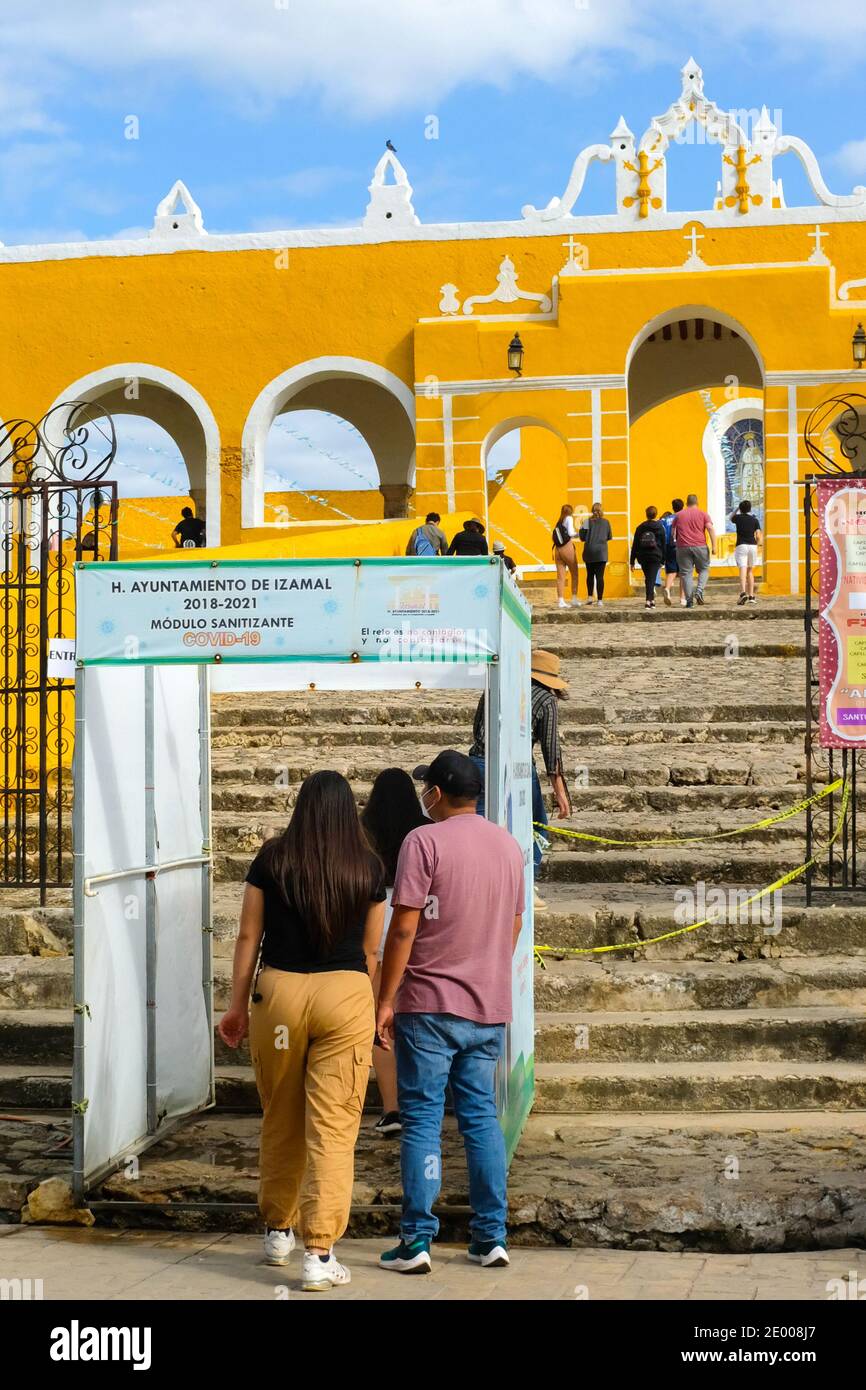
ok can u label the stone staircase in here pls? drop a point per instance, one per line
(706, 1091)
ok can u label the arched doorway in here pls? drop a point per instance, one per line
(329, 441)
(168, 452)
(526, 467)
(696, 417)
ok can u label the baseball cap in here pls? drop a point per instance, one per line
(453, 773)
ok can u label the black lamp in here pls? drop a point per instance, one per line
(858, 346)
(515, 354)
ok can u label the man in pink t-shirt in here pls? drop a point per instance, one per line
(693, 535)
(444, 1001)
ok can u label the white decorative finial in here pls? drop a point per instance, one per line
(764, 125)
(622, 132)
(693, 80)
(390, 204)
(178, 215)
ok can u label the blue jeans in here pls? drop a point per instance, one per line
(433, 1050)
(539, 811)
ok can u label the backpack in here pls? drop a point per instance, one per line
(648, 544)
(420, 543)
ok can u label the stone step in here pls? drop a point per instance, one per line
(572, 1088)
(631, 612)
(676, 801)
(717, 862)
(661, 642)
(828, 1034)
(608, 982)
(237, 831)
(258, 745)
(662, 1181)
(578, 914)
(427, 716)
(706, 764)
(815, 1033)
(563, 1087)
(30, 984)
(593, 915)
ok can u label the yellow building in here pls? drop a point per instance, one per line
(664, 352)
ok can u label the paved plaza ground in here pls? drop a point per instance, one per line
(119, 1265)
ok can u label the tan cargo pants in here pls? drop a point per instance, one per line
(311, 1039)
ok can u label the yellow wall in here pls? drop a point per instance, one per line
(218, 320)
(366, 505)
(523, 510)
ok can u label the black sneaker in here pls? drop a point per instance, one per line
(388, 1124)
(700, 599)
(744, 598)
(752, 598)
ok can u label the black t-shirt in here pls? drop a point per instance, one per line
(747, 525)
(468, 543)
(286, 944)
(190, 528)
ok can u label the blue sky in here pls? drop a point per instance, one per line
(274, 112)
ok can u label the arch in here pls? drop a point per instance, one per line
(311, 385)
(527, 512)
(191, 424)
(694, 359)
(515, 422)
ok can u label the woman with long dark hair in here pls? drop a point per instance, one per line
(314, 906)
(391, 812)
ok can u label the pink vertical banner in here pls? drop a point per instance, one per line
(842, 611)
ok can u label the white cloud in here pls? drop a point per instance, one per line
(376, 56)
(362, 56)
(372, 57)
(851, 159)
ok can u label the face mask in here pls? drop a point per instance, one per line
(423, 806)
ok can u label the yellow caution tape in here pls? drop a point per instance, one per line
(707, 921)
(696, 839)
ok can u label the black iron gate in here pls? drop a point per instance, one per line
(56, 507)
(834, 840)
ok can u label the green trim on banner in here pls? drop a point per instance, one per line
(481, 658)
(521, 1092)
(515, 611)
(465, 561)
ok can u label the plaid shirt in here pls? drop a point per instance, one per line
(545, 728)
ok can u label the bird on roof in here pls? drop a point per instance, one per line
(389, 146)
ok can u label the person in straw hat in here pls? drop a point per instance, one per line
(548, 687)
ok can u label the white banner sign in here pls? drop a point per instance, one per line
(286, 610)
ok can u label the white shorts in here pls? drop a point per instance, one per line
(746, 556)
(388, 911)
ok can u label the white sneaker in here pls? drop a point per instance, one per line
(278, 1246)
(562, 603)
(575, 603)
(323, 1274)
(600, 603)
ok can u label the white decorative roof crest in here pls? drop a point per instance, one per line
(747, 180)
(178, 214)
(390, 204)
